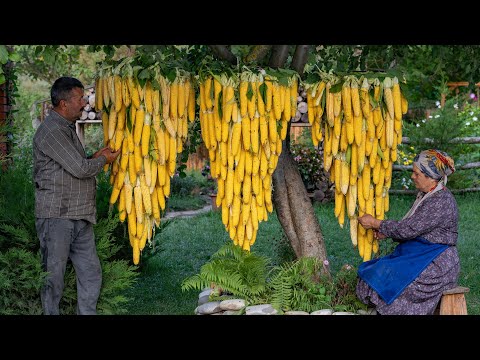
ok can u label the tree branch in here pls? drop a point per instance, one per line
(279, 56)
(257, 53)
(222, 52)
(298, 64)
(300, 58)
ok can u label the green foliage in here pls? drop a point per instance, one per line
(441, 127)
(21, 275)
(301, 285)
(191, 184)
(235, 271)
(295, 285)
(21, 278)
(49, 62)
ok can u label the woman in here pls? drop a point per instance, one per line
(410, 281)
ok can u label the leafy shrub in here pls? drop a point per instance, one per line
(445, 123)
(310, 164)
(191, 184)
(21, 278)
(21, 275)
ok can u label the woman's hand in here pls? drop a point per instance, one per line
(378, 235)
(369, 222)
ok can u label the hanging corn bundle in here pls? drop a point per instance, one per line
(243, 122)
(147, 119)
(361, 120)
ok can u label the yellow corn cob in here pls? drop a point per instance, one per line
(367, 252)
(365, 98)
(105, 128)
(147, 204)
(145, 140)
(366, 181)
(112, 122)
(161, 197)
(397, 99)
(128, 194)
(260, 102)
(229, 102)
(277, 103)
(350, 129)
(121, 202)
(132, 220)
(269, 95)
(141, 93)
(136, 251)
(353, 230)
(106, 92)
(155, 205)
(191, 104)
(254, 138)
(137, 152)
(98, 94)
(355, 96)
(139, 121)
(147, 170)
(132, 172)
(137, 197)
(387, 94)
(117, 83)
(360, 196)
(343, 137)
(354, 164)
(174, 100)
(345, 176)
(148, 97)
(347, 101)
(114, 195)
(182, 95)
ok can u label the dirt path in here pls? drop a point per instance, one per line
(187, 213)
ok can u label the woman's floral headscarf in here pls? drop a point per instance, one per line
(435, 164)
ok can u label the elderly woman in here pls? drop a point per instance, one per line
(410, 281)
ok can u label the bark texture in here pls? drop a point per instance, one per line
(223, 52)
(294, 209)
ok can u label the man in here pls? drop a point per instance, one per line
(65, 205)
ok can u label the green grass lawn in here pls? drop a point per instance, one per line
(187, 244)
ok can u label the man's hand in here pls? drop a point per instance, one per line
(108, 153)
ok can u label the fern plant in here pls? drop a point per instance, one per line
(299, 286)
(235, 271)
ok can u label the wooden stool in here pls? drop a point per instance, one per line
(453, 301)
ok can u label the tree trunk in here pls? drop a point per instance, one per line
(292, 205)
(294, 209)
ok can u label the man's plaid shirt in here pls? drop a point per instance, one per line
(65, 184)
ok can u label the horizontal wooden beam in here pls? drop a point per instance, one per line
(460, 140)
(459, 83)
(413, 192)
(473, 165)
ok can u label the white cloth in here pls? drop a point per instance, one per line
(421, 196)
